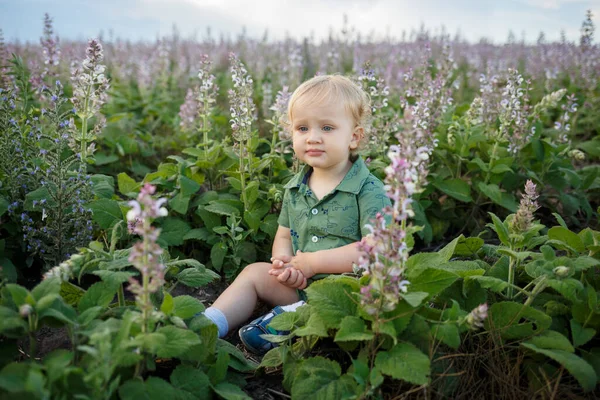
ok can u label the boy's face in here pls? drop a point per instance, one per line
(324, 134)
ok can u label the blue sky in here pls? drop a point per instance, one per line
(147, 19)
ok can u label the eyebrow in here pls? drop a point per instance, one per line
(322, 121)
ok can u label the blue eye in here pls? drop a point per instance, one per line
(302, 129)
(328, 128)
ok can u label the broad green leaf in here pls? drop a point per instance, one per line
(456, 188)
(114, 277)
(462, 268)
(468, 246)
(127, 185)
(194, 277)
(564, 235)
(173, 230)
(447, 333)
(332, 299)
(106, 212)
(315, 326)
(417, 263)
(513, 320)
(167, 305)
(178, 341)
(272, 359)
(221, 208)
(580, 369)
(187, 306)
(19, 294)
(489, 282)
(188, 186)
(3, 205)
(318, 378)
(415, 298)
(432, 281)
(353, 328)
(9, 271)
(201, 234)
(570, 288)
(70, 293)
(580, 334)
(152, 389)
(191, 380)
(285, 321)
(551, 340)
(103, 186)
(99, 294)
(46, 287)
(503, 199)
(404, 361)
(229, 391)
(217, 255)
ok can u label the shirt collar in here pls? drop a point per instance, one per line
(352, 182)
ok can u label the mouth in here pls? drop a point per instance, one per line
(314, 152)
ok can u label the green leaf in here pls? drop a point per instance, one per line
(191, 380)
(103, 186)
(217, 255)
(19, 294)
(580, 369)
(415, 298)
(188, 186)
(406, 362)
(456, 188)
(70, 293)
(3, 205)
(229, 391)
(315, 326)
(99, 294)
(252, 192)
(503, 199)
(513, 320)
(46, 287)
(447, 333)
(201, 234)
(570, 288)
(187, 306)
(318, 378)
(106, 212)
(173, 230)
(269, 225)
(432, 281)
(500, 229)
(551, 340)
(564, 235)
(580, 334)
(417, 263)
(353, 328)
(272, 359)
(285, 321)
(463, 268)
(489, 282)
(178, 341)
(194, 277)
(468, 246)
(221, 208)
(9, 271)
(167, 305)
(333, 300)
(127, 185)
(114, 277)
(235, 183)
(501, 169)
(152, 389)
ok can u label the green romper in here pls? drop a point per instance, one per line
(337, 219)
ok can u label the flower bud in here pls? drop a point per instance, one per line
(561, 271)
(577, 155)
(25, 310)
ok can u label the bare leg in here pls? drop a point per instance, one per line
(237, 302)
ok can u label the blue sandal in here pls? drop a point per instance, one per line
(251, 334)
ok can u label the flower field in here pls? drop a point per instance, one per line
(135, 178)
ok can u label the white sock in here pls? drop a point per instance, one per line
(293, 307)
(219, 319)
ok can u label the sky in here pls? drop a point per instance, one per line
(149, 19)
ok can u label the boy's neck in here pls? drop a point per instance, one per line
(323, 181)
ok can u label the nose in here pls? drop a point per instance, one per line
(313, 136)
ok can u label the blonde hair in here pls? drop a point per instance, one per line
(333, 88)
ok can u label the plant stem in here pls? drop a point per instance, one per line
(511, 279)
(242, 175)
(121, 296)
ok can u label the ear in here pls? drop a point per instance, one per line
(357, 135)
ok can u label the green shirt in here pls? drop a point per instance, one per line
(337, 219)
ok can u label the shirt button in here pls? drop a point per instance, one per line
(315, 239)
(315, 211)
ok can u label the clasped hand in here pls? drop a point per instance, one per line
(292, 271)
